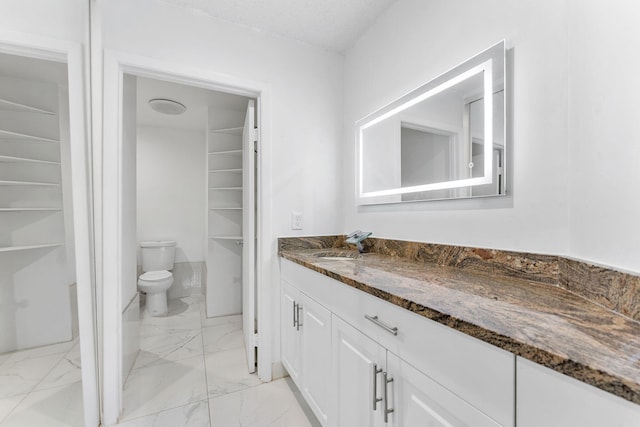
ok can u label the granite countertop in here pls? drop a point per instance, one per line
(538, 321)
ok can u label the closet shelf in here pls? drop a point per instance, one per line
(226, 153)
(29, 209)
(225, 170)
(26, 159)
(46, 184)
(6, 105)
(232, 131)
(226, 237)
(6, 134)
(27, 247)
(226, 188)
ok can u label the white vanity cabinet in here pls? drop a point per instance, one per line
(306, 347)
(290, 331)
(373, 387)
(417, 400)
(358, 362)
(548, 398)
(315, 356)
(432, 372)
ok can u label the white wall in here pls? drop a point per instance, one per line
(171, 189)
(305, 85)
(574, 180)
(604, 131)
(61, 19)
(415, 41)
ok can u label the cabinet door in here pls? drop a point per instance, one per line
(289, 335)
(548, 398)
(357, 367)
(315, 352)
(418, 401)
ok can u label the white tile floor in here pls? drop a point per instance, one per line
(41, 387)
(190, 371)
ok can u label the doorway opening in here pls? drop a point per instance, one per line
(190, 179)
(47, 337)
(117, 229)
(195, 175)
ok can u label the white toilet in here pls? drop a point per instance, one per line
(156, 279)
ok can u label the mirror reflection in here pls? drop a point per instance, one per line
(431, 145)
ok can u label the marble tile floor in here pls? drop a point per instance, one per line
(191, 371)
(41, 387)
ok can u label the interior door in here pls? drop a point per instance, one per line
(248, 236)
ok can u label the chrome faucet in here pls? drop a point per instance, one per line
(357, 237)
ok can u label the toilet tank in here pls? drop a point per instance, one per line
(157, 255)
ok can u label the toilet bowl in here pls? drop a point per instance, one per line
(155, 284)
(157, 260)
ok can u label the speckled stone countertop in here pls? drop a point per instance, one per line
(534, 319)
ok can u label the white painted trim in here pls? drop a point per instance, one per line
(265, 237)
(117, 63)
(111, 202)
(71, 53)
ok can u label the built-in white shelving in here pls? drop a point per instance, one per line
(226, 237)
(230, 131)
(224, 212)
(29, 209)
(227, 153)
(225, 171)
(36, 228)
(8, 105)
(45, 184)
(28, 247)
(6, 134)
(13, 159)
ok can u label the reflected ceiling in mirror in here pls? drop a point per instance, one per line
(443, 140)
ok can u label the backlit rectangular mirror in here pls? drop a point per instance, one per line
(443, 140)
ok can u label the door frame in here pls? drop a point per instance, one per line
(71, 54)
(109, 145)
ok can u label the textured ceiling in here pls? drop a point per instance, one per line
(332, 24)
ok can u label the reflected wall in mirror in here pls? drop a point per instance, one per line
(443, 140)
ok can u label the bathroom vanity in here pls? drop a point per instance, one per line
(412, 332)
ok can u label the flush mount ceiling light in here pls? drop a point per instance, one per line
(167, 106)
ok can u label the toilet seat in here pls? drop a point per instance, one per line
(156, 275)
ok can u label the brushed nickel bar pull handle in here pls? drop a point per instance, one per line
(294, 313)
(298, 308)
(387, 410)
(374, 375)
(391, 329)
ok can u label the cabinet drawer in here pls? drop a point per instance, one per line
(312, 283)
(479, 373)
